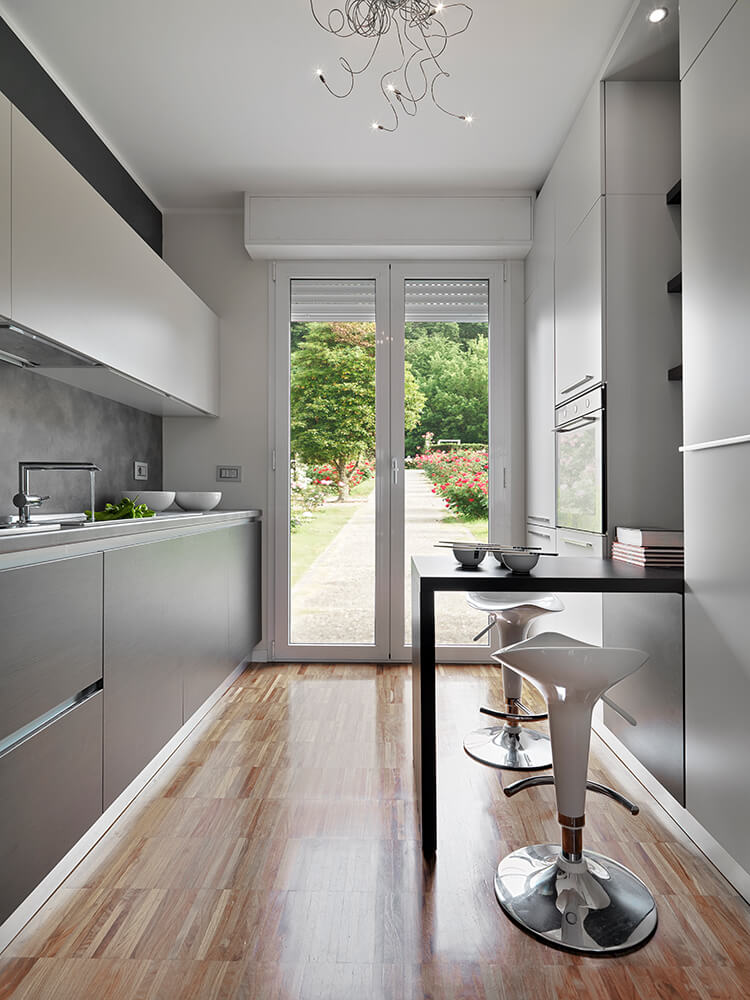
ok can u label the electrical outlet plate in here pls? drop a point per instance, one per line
(228, 473)
(140, 470)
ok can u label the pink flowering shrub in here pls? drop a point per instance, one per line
(460, 478)
(327, 477)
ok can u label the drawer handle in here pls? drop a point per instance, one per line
(581, 381)
(37, 725)
(539, 534)
(538, 517)
(581, 545)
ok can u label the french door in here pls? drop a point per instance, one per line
(391, 417)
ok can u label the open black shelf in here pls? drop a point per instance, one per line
(675, 374)
(674, 195)
(674, 285)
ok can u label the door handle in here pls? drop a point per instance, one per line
(581, 422)
(394, 471)
(581, 381)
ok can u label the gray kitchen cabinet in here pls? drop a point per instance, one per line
(179, 616)
(540, 263)
(715, 226)
(642, 139)
(717, 651)
(207, 561)
(50, 623)
(51, 791)
(244, 580)
(5, 209)
(579, 303)
(83, 277)
(145, 590)
(651, 721)
(699, 19)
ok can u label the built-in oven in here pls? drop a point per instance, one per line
(580, 445)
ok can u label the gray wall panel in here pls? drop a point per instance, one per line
(42, 419)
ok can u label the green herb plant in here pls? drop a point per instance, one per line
(127, 508)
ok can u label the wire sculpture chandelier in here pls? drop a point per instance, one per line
(422, 36)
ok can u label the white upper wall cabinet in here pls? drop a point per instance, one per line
(4, 206)
(579, 304)
(540, 263)
(715, 228)
(578, 170)
(699, 19)
(82, 277)
(642, 137)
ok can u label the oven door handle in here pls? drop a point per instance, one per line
(576, 425)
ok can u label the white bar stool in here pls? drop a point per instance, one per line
(576, 900)
(511, 746)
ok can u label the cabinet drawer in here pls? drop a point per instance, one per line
(51, 791)
(539, 536)
(51, 649)
(581, 544)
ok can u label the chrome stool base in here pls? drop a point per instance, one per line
(512, 749)
(594, 906)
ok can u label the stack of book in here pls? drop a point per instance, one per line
(649, 547)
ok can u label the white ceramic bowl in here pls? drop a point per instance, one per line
(520, 563)
(157, 500)
(469, 558)
(197, 501)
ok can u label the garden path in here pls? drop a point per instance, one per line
(333, 602)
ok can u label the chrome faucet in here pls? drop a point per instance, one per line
(25, 500)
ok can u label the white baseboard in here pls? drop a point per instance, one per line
(732, 871)
(260, 655)
(36, 899)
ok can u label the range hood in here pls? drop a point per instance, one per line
(30, 350)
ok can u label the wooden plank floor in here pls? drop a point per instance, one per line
(275, 858)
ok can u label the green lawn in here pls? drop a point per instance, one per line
(313, 536)
(478, 526)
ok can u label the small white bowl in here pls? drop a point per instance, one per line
(197, 501)
(520, 563)
(469, 558)
(156, 500)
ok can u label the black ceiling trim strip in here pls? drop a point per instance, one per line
(36, 95)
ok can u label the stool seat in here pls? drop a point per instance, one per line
(511, 746)
(563, 895)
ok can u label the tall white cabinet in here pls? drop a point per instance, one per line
(716, 304)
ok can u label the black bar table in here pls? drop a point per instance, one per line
(560, 574)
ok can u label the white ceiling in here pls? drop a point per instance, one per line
(205, 99)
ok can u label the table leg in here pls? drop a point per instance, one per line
(423, 710)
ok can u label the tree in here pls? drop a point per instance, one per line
(453, 377)
(332, 395)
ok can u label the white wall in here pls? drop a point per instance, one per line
(207, 251)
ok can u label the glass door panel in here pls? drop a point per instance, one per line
(446, 433)
(329, 541)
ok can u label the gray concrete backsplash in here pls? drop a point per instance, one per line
(44, 420)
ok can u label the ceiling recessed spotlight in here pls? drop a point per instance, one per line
(658, 14)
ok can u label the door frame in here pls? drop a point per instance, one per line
(506, 432)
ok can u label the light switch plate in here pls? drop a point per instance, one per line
(228, 473)
(140, 470)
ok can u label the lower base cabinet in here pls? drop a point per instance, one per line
(179, 616)
(51, 791)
